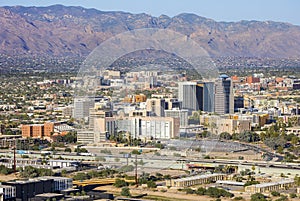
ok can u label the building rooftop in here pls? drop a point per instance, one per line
(273, 183)
(197, 177)
(5, 186)
(224, 76)
(45, 178)
(49, 195)
(234, 183)
(53, 177)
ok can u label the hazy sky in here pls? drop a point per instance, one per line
(219, 10)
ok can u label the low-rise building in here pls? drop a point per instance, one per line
(59, 183)
(44, 130)
(195, 180)
(230, 124)
(63, 163)
(270, 186)
(27, 189)
(295, 130)
(8, 192)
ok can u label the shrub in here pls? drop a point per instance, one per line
(293, 195)
(126, 168)
(136, 152)
(120, 183)
(151, 184)
(126, 192)
(238, 198)
(258, 197)
(201, 191)
(275, 193)
(189, 191)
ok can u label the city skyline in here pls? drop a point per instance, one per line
(119, 105)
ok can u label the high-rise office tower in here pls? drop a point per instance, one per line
(191, 95)
(82, 106)
(207, 96)
(224, 100)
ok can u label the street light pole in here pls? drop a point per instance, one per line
(136, 177)
(14, 165)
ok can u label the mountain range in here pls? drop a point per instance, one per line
(75, 31)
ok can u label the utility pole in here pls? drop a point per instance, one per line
(15, 166)
(136, 176)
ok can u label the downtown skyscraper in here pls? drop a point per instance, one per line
(223, 95)
(191, 95)
(210, 96)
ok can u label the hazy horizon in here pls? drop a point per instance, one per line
(227, 11)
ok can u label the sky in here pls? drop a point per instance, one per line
(219, 10)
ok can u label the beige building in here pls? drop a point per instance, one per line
(233, 126)
(139, 113)
(230, 124)
(111, 74)
(295, 130)
(269, 187)
(94, 114)
(104, 127)
(100, 129)
(195, 180)
(85, 136)
(156, 106)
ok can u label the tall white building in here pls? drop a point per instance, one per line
(150, 127)
(82, 106)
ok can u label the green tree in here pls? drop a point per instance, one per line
(126, 192)
(135, 152)
(249, 136)
(31, 172)
(120, 183)
(126, 168)
(249, 183)
(294, 140)
(81, 176)
(4, 170)
(201, 191)
(151, 184)
(68, 150)
(217, 193)
(258, 197)
(225, 136)
(297, 180)
(189, 191)
(275, 193)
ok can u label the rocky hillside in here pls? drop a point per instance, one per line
(75, 31)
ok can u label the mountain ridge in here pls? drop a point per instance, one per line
(75, 31)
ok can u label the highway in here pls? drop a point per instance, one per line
(155, 162)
